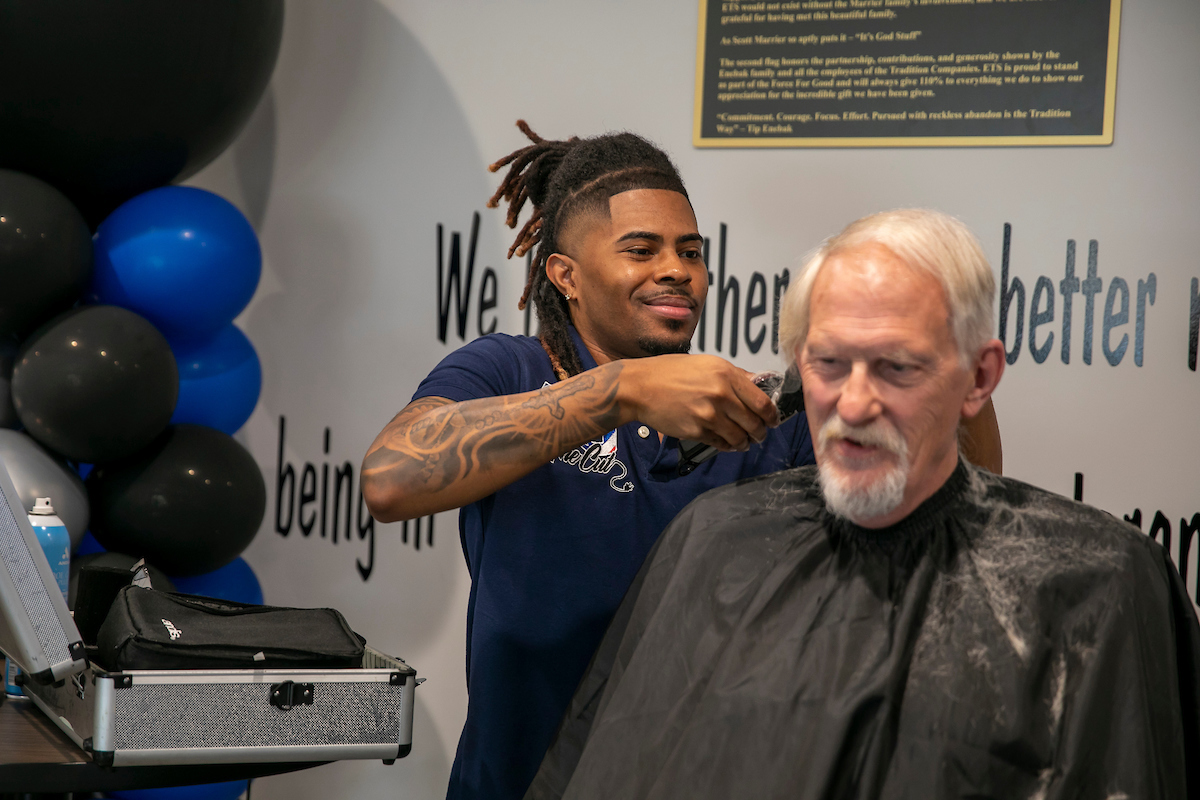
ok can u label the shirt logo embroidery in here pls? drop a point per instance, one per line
(600, 457)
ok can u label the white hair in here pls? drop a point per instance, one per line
(928, 240)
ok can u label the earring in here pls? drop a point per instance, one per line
(566, 297)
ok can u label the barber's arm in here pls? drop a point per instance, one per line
(437, 454)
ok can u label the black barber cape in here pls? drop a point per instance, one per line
(1000, 642)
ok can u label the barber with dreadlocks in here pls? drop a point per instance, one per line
(561, 450)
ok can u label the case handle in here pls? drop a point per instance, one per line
(287, 694)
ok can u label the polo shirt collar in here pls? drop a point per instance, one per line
(585, 355)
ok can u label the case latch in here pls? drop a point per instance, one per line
(287, 694)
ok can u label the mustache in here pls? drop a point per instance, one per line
(877, 433)
(686, 294)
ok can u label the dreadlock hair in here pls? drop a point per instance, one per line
(563, 179)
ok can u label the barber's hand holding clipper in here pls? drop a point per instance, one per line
(437, 454)
(701, 398)
(786, 394)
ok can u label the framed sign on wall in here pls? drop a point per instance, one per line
(889, 73)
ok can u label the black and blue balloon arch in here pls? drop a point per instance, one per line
(122, 374)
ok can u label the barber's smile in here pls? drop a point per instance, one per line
(671, 306)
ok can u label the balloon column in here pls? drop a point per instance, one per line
(191, 499)
(149, 378)
(147, 383)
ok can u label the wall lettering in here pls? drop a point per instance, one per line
(450, 278)
(728, 298)
(741, 318)
(333, 504)
(1119, 303)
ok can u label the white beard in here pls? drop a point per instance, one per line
(843, 497)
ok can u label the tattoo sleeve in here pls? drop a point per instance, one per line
(437, 454)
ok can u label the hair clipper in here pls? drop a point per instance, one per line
(786, 393)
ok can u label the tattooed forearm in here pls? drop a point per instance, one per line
(437, 454)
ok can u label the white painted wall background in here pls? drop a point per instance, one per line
(378, 125)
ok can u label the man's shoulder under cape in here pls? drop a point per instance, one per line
(1003, 641)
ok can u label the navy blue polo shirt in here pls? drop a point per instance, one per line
(552, 554)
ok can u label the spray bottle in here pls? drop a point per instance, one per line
(55, 541)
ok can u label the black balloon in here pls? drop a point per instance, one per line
(95, 384)
(108, 100)
(158, 578)
(189, 503)
(45, 252)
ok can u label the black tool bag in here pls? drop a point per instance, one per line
(97, 588)
(149, 629)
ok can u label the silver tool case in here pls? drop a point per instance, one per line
(209, 716)
(213, 716)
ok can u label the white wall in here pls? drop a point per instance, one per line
(378, 126)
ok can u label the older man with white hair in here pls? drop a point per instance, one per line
(890, 324)
(893, 623)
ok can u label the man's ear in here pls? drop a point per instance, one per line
(988, 367)
(560, 269)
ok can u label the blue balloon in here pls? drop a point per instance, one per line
(235, 581)
(182, 257)
(229, 790)
(219, 380)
